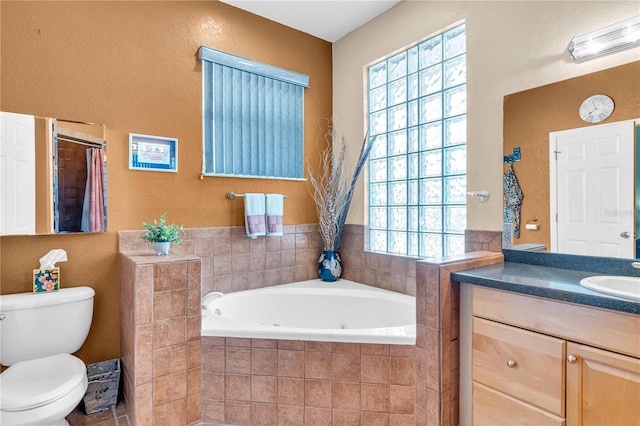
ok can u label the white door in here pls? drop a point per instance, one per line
(17, 174)
(594, 190)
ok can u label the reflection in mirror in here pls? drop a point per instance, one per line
(531, 118)
(79, 190)
(58, 184)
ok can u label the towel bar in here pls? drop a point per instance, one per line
(233, 195)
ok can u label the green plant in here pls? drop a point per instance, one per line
(160, 232)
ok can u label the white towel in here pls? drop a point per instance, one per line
(254, 215)
(275, 210)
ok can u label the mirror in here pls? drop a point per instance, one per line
(529, 119)
(79, 178)
(58, 185)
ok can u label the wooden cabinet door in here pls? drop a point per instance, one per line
(603, 388)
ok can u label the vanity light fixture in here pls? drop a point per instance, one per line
(604, 41)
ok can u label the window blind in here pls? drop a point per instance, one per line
(253, 117)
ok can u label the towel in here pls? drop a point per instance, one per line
(254, 215)
(275, 210)
(513, 200)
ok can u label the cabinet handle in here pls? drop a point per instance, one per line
(571, 359)
(511, 363)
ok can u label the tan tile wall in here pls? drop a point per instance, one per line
(257, 381)
(475, 240)
(437, 345)
(233, 262)
(396, 273)
(160, 338)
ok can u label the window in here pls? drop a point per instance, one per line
(252, 119)
(417, 167)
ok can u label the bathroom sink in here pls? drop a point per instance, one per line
(626, 287)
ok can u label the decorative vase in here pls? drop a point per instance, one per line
(162, 249)
(329, 267)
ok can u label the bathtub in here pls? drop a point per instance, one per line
(342, 311)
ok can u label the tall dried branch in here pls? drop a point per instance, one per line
(333, 187)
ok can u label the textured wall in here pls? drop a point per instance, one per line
(511, 46)
(133, 66)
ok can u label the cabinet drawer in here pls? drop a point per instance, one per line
(612, 330)
(492, 408)
(526, 365)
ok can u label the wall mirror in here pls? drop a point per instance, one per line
(597, 219)
(55, 175)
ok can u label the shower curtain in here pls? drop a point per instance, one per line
(93, 208)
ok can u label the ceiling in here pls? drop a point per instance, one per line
(326, 19)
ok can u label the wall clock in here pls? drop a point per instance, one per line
(596, 108)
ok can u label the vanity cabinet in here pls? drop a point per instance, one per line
(542, 362)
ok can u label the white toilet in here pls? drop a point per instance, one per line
(38, 334)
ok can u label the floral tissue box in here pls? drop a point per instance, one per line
(46, 280)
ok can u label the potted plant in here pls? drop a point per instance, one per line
(162, 235)
(332, 191)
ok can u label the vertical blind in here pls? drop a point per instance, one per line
(252, 119)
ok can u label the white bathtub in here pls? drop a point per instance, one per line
(343, 311)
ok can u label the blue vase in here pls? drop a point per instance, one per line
(329, 267)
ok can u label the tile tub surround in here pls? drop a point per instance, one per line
(437, 344)
(244, 379)
(233, 262)
(395, 273)
(160, 338)
(287, 382)
(435, 354)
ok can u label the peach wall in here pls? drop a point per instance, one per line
(133, 66)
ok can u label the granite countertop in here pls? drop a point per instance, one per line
(544, 281)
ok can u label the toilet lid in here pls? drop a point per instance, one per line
(31, 384)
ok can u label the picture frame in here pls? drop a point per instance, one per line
(153, 153)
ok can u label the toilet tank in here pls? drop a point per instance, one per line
(35, 325)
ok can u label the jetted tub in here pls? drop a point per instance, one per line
(342, 311)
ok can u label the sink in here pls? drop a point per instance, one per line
(626, 287)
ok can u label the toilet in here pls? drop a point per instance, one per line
(38, 334)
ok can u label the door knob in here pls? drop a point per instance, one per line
(572, 359)
(625, 234)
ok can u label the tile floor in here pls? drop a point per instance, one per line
(114, 417)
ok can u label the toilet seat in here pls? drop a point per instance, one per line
(34, 383)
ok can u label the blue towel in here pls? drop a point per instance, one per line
(254, 215)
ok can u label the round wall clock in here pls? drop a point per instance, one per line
(596, 108)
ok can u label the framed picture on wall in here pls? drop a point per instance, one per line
(153, 153)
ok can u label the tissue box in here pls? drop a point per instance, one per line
(46, 280)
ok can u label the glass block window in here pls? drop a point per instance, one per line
(253, 117)
(417, 168)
